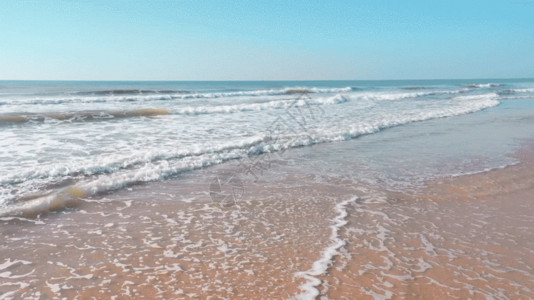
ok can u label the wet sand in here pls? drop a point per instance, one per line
(151, 242)
(462, 237)
(288, 236)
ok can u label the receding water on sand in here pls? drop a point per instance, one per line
(460, 237)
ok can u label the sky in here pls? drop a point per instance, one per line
(266, 40)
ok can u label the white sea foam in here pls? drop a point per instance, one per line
(320, 266)
(194, 110)
(271, 92)
(8, 263)
(404, 95)
(522, 90)
(484, 85)
(111, 164)
(120, 170)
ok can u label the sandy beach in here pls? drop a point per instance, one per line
(460, 237)
(302, 150)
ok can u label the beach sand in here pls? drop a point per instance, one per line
(460, 237)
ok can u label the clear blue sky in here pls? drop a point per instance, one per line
(265, 40)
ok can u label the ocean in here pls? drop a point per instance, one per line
(290, 189)
(105, 136)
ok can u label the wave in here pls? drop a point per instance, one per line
(119, 172)
(113, 96)
(150, 112)
(148, 172)
(84, 116)
(272, 92)
(117, 163)
(81, 116)
(529, 90)
(286, 103)
(517, 97)
(414, 88)
(34, 207)
(85, 100)
(515, 91)
(484, 85)
(484, 101)
(115, 92)
(470, 104)
(404, 95)
(490, 96)
(297, 92)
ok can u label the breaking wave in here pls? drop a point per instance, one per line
(116, 172)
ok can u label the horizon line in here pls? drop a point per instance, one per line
(259, 80)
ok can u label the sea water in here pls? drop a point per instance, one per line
(264, 189)
(99, 137)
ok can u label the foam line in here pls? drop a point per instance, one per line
(321, 266)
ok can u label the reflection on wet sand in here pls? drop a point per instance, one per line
(462, 237)
(474, 239)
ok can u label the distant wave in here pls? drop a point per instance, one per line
(130, 92)
(484, 85)
(403, 95)
(515, 91)
(301, 101)
(170, 97)
(531, 90)
(516, 97)
(85, 100)
(138, 95)
(81, 116)
(413, 88)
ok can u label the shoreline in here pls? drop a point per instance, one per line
(463, 236)
(169, 239)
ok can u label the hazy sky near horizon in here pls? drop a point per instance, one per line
(265, 40)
